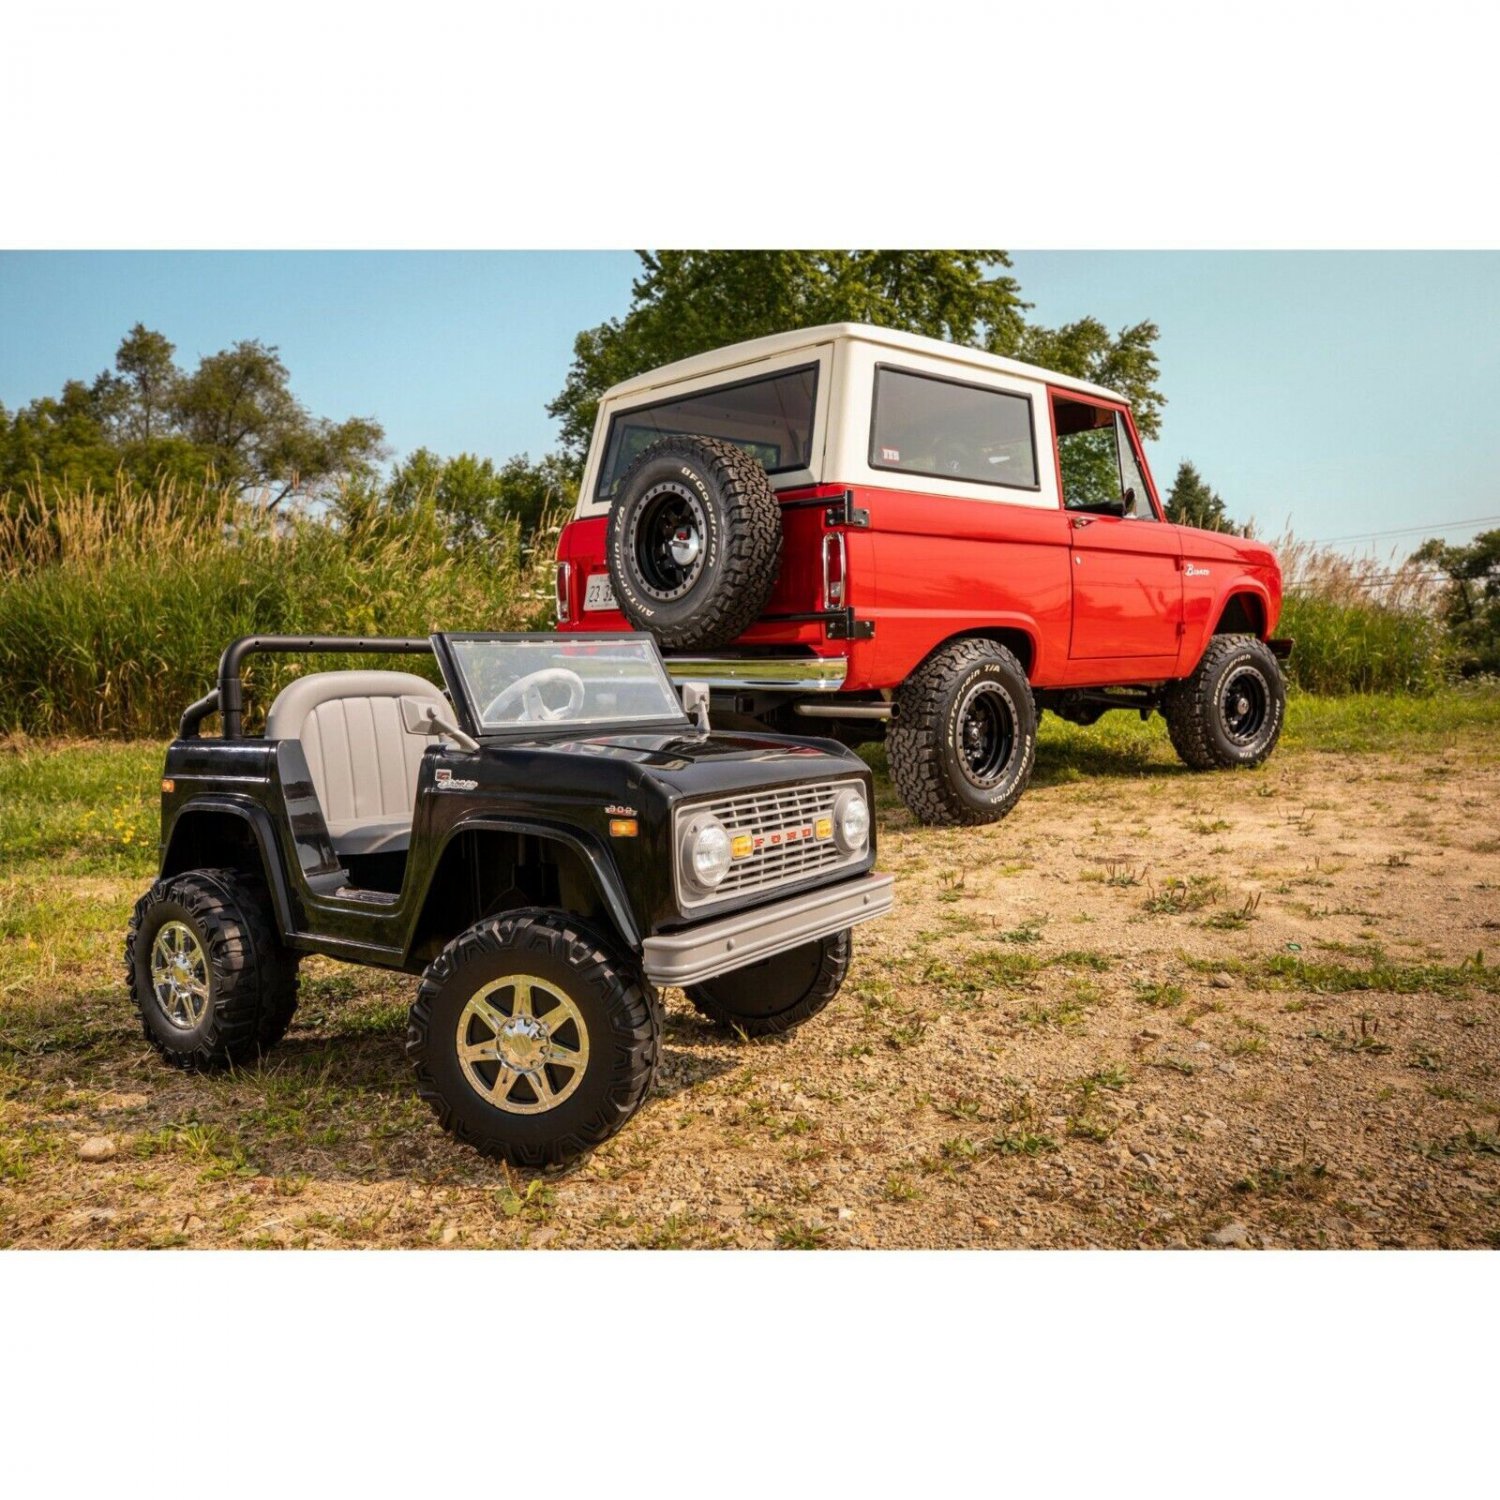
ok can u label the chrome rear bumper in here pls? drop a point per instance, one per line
(790, 674)
(749, 936)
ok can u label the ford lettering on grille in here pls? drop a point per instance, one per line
(776, 837)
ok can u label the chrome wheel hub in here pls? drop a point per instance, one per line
(522, 1044)
(668, 533)
(179, 975)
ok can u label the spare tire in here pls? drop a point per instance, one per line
(694, 541)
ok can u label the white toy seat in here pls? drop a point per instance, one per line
(363, 763)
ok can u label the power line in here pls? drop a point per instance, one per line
(1426, 526)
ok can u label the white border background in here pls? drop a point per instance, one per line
(652, 122)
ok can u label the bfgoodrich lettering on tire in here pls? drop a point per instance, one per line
(694, 541)
(532, 1041)
(963, 740)
(1230, 711)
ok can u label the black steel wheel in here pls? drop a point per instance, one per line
(694, 541)
(777, 993)
(963, 740)
(1229, 712)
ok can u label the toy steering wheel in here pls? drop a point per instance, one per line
(527, 691)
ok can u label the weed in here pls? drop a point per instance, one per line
(1177, 896)
(899, 1188)
(802, 1236)
(1159, 996)
(1022, 1143)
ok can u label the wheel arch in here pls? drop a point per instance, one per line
(486, 866)
(1019, 639)
(221, 833)
(1244, 610)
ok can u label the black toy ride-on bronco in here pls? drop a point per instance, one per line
(546, 843)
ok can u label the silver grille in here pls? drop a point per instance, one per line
(769, 817)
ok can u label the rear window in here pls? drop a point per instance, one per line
(948, 429)
(770, 418)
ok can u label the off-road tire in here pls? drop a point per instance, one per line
(1198, 721)
(621, 1010)
(252, 975)
(777, 994)
(740, 548)
(923, 741)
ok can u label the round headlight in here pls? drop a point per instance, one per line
(851, 822)
(706, 853)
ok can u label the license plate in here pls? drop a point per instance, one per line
(599, 593)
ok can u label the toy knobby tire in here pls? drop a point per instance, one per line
(532, 1041)
(777, 993)
(207, 970)
(1230, 711)
(694, 541)
(963, 740)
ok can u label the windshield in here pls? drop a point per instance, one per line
(550, 679)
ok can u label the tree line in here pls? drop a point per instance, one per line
(234, 424)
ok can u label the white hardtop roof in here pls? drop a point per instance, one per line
(731, 355)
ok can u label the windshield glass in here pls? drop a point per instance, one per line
(770, 418)
(551, 679)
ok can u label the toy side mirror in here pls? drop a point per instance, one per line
(422, 716)
(695, 703)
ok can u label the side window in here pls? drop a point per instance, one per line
(948, 429)
(1100, 472)
(1133, 483)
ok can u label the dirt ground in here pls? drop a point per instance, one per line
(1149, 1009)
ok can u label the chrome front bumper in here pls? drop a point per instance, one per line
(749, 936)
(783, 674)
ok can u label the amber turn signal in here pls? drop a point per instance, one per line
(168, 785)
(623, 828)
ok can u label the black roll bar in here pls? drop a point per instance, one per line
(228, 698)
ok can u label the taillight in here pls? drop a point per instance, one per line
(834, 568)
(564, 587)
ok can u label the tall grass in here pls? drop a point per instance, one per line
(1362, 625)
(114, 606)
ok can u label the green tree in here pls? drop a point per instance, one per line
(238, 410)
(687, 301)
(1190, 502)
(1471, 606)
(477, 501)
(1123, 362)
(233, 420)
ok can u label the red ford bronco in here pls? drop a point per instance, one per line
(852, 530)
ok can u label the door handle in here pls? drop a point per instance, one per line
(1083, 521)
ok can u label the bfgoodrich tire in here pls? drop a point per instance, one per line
(532, 1041)
(963, 740)
(207, 970)
(694, 542)
(1230, 711)
(777, 993)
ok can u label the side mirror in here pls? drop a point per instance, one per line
(1128, 501)
(695, 703)
(422, 716)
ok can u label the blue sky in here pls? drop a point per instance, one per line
(1345, 393)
